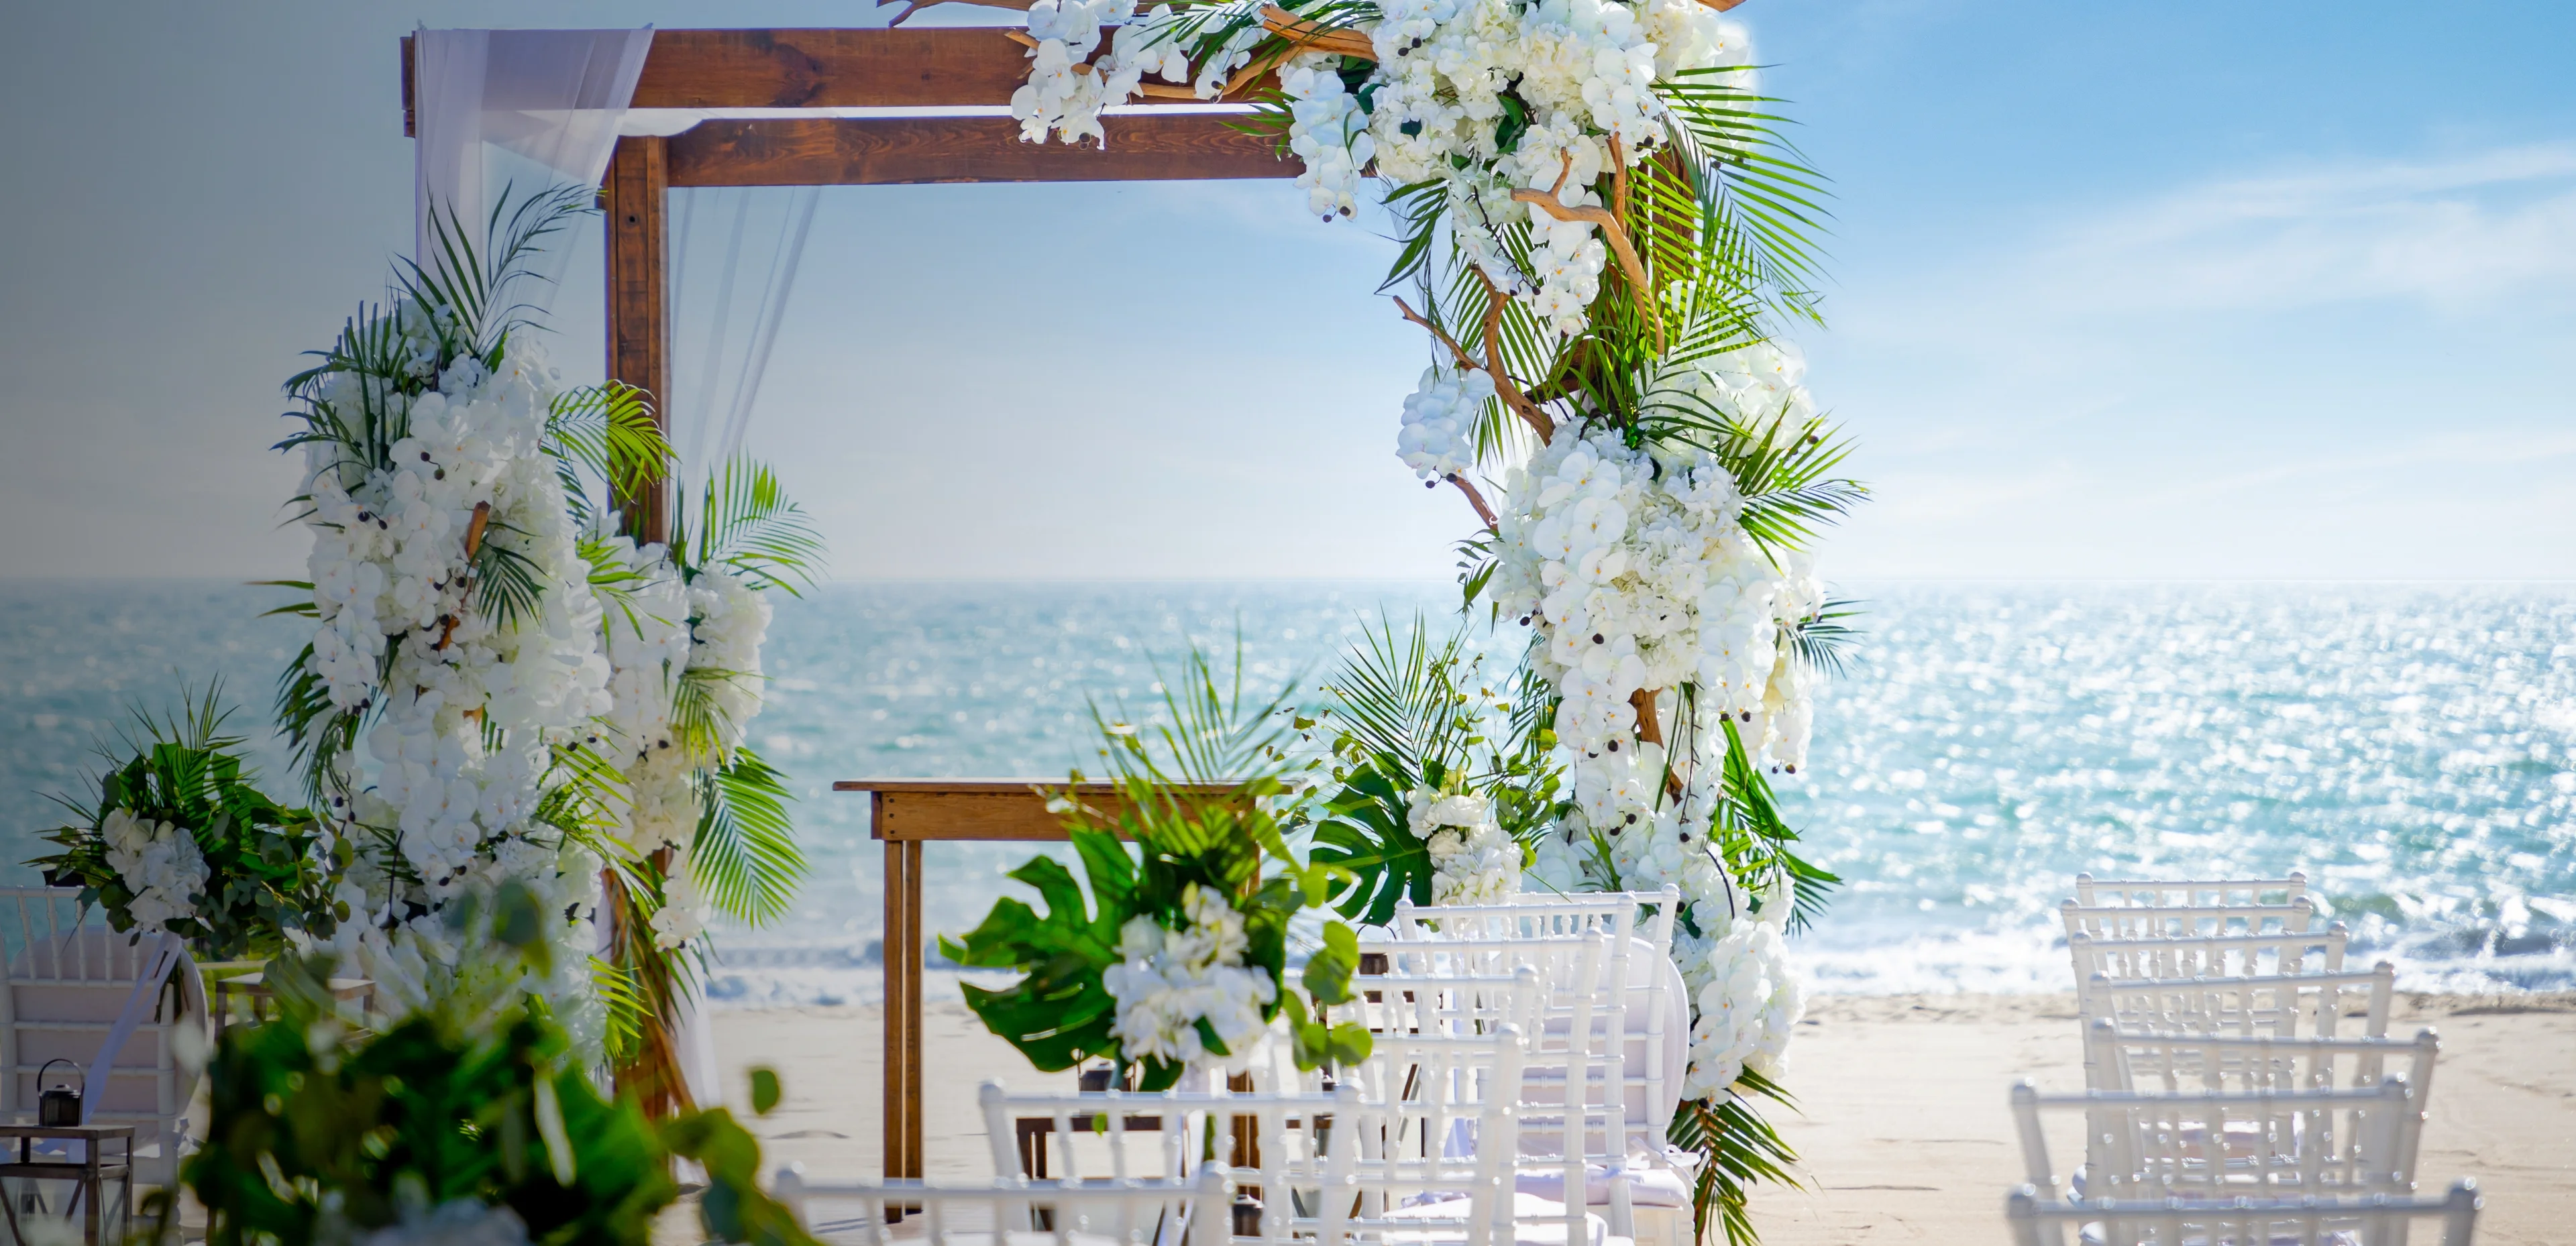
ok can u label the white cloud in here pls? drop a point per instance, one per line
(2470, 227)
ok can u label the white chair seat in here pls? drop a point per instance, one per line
(1647, 1187)
(1537, 1222)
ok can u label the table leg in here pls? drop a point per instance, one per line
(903, 1142)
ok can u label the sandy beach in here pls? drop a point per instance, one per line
(1903, 1126)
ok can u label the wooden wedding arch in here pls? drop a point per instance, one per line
(947, 81)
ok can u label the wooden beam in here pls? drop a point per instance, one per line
(639, 330)
(978, 810)
(907, 67)
(880, 151)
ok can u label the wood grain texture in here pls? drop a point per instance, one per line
(639, 330)
(978, 816)
(883, 151)
(926, 67)
(903, 1144)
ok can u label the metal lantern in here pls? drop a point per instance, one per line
(59, 1105)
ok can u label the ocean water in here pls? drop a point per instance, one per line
(2412, 748)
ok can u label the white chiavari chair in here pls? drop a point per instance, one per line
(2216, 956)
(69, 978)
(2189, 893)
(2367, 1220)
(1632, 1014)
(1134, 1212)
(2215, 1145)
(2170, 1064)
(2117, 922)
(2263, 1005)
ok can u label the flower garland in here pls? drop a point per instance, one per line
(678, 639)
(1601, 227)
(453, 605)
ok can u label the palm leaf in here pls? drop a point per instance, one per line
(745, 858)
(746, 523)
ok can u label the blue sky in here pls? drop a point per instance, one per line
(2188, 290)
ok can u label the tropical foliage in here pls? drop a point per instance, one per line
(474, 1120)
(180, 838)
(1178, 957)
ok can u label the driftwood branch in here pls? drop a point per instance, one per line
(1474, 499)
(1650, 728)
(1314, 36)
(474, 529)
(1495, 301)
(1611, 229)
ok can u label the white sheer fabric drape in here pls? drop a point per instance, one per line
(734, 254)
(553, 98)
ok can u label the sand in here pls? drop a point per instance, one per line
(1903, 1125)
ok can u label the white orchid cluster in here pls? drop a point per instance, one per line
(1483, 96)
(160, 863)
(1488, 97)
(1438, 438)
(405, 629)
(1472, 860)
(1632, 564)
(713, 624)
(1168, 981)
(1746, 1001)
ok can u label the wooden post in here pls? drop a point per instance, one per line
(906, 813)
(639, 325)
(903, 1144)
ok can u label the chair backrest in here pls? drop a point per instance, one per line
(2273, 1005)
(2189, 893)
(1130, 1213)
(68, 978)
(1419, 1138)
(2224, 1144)
(2217, 956)
(2186, 921)
(2368, 1220)
(1650, 1053)
(2174, 1063)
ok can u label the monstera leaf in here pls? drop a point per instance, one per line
(1365, 835)
(1060, 1012)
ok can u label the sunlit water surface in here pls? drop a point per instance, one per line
(2412, 748)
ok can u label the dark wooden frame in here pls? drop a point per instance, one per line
(971, 70)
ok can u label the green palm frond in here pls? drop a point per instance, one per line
(1740, 1149)
(1757, 842)
(628, 1011)
(464, 286)
(746, 523)
(1822, 640)
(745, 858)
(1207, 731)
(610, 432)
(1766, 200)
(697, 718)
(1403, 698)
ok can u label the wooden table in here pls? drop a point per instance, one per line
(89, 1175)
(905, 814)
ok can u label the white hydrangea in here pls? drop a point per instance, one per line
(160, 863)
(1746, 1002)
(1168, 981)
(1438, 438)
(1472, 860)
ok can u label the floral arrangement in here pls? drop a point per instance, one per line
(471, 1121)
(503, 689)
(1177, 963)
(181, 840)
(1602, 235)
